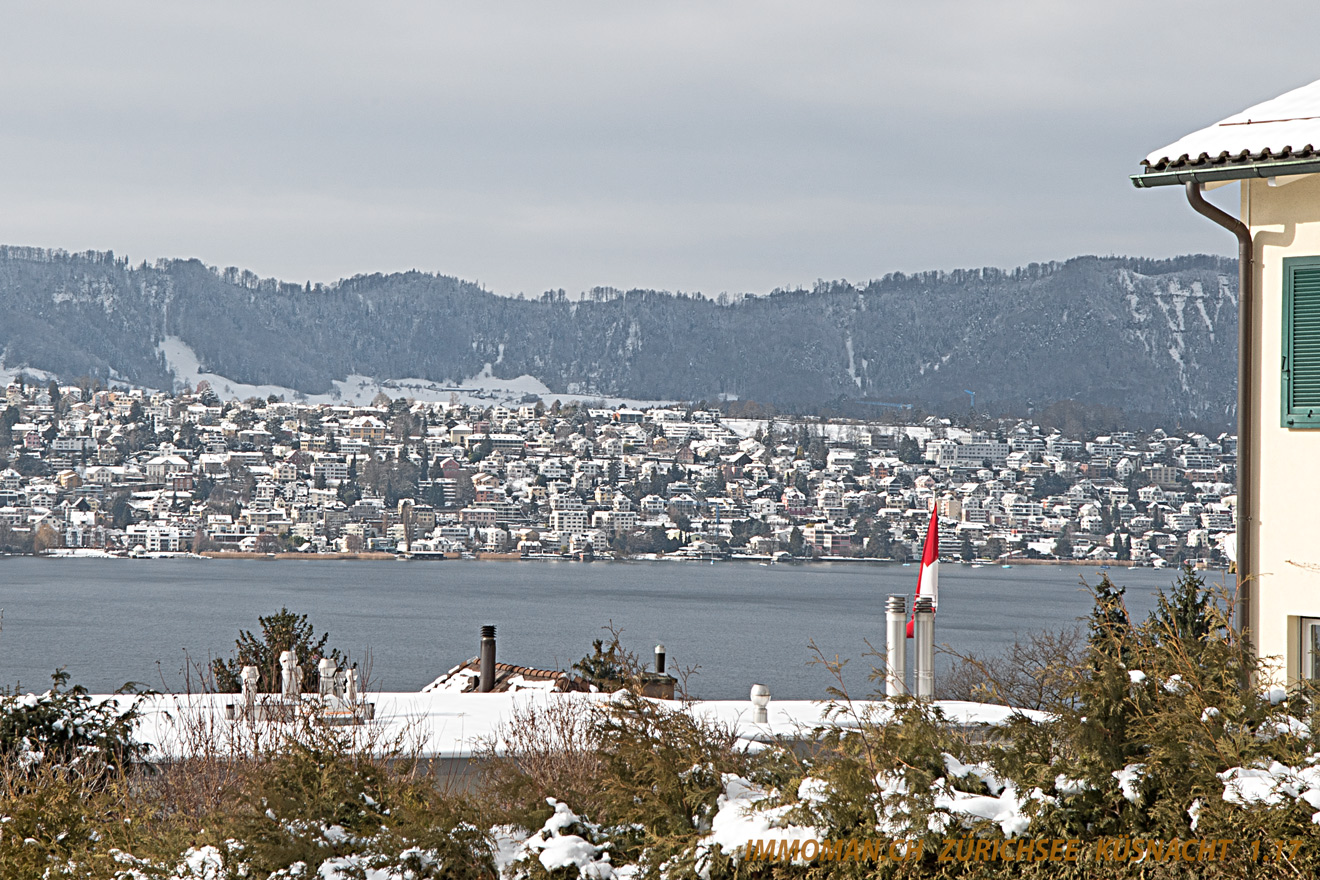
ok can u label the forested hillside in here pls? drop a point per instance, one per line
(1142, 335)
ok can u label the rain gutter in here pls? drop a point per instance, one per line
(1246, 455)
(1223, 173)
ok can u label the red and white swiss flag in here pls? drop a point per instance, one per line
(928, 585)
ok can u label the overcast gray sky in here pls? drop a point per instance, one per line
(697, 146)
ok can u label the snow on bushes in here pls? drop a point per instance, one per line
(65, 727)
(565, 843)
(1273, 784)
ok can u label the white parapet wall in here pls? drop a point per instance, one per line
(446, 725)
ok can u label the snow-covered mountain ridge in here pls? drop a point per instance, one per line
(1144, 335)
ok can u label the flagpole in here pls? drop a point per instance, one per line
(928, 579)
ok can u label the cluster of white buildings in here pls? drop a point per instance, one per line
(158, 473)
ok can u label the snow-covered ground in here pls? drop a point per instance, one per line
(483, 388)
(8, 374)
(842, 431)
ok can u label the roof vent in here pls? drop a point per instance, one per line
(486, 660)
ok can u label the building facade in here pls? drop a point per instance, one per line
(1268, 150)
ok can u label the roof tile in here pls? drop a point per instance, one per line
(1281, 128)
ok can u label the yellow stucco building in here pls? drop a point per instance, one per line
(1272, 151)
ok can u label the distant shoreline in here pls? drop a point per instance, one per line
(238, 554)
(376, 556)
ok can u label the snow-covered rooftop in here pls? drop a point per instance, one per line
(1281, 128)
(445, 724)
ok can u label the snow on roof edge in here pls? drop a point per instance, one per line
(1287, 126)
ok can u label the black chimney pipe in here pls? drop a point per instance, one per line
(486, 660)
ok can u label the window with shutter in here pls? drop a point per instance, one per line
(1311, 648)
(1301, 342)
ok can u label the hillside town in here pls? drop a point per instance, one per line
(85, 470)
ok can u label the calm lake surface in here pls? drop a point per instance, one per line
(110, 621)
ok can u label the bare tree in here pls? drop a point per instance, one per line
(1032, 673)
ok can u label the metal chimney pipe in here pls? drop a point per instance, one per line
(660, 659)
(326, 670)
(896, 640)
(761, 700)
(486, 661)
(923, 632)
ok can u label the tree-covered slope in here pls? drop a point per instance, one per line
(1147, 336)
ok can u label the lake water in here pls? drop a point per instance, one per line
(109, 621)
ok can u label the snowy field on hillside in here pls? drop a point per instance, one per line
(839, 431)
(483, 388)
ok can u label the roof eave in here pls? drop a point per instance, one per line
(1219, 173)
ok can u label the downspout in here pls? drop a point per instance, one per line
(1246, 465)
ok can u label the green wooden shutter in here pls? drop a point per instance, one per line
(1301, 342)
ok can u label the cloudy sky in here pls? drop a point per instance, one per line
(686, 146)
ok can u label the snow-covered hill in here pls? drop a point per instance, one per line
(1146, 336)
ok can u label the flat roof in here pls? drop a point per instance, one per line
(445, 724)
